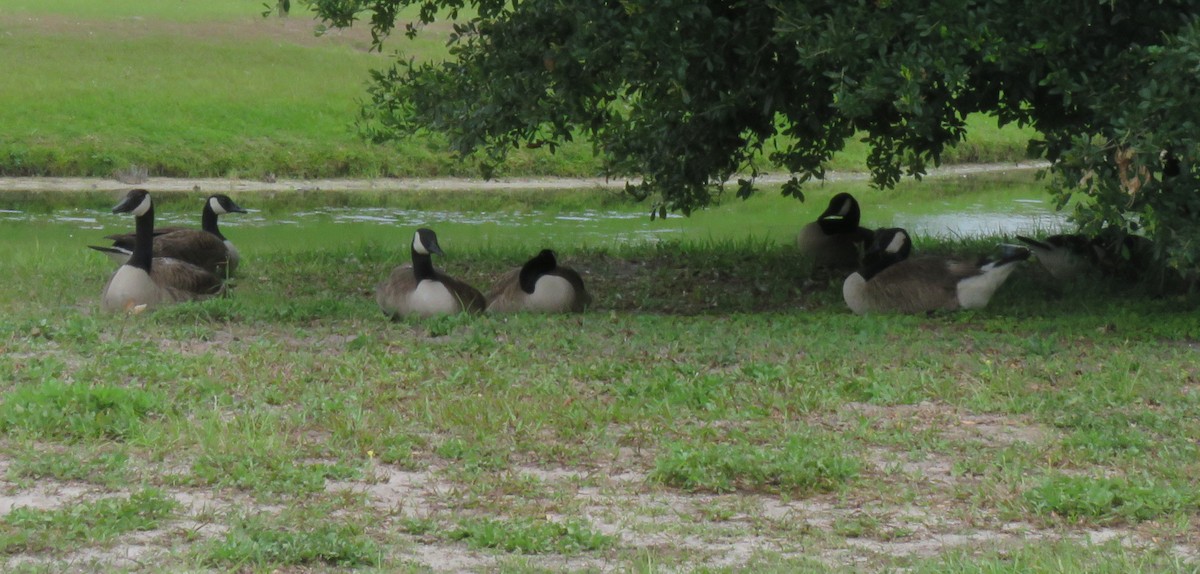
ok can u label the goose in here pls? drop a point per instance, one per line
(541, 285)
(1067, 256)
(419, 289)
(835, 239)
(153, 281)
(206, 247)
(1113, 254)
(892, 282)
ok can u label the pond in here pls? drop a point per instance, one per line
(957, 207)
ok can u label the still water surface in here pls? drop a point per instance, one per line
(1022, 210)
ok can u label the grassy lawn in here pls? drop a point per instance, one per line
(212, 89)
(718, 410)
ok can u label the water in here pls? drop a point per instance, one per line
(1001, 210)
(1024, 216)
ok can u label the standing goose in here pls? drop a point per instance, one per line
(835, 239)
(206, 247)
(419, 289)
(148, 280)
(541, 285)
(891, 282)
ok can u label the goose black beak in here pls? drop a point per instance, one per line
(128, 204)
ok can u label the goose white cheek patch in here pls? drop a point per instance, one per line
(142, 207)
(419, 246)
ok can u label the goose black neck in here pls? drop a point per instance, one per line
(838, 226)
(873, 265)
(143, 244)
(208, 221)
(422, 266)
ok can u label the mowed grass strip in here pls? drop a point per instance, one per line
(214, 90)
(206, 93)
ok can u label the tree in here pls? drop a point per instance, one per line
(686, 93)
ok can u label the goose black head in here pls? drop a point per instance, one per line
(842, 215)
(425, 242)
(137, 202)
(890, 246)
(541, 264)
(221, 204)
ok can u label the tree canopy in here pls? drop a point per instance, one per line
(687, 93)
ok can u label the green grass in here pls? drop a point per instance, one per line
(719, 408)
(73, 411)
(801, 464)
(199, 90)
(218, 10)
(255, 542)
(211, 89)
(79, 465)
(529, 536)
(99, 521)
(1058, 558)
(1075, 498)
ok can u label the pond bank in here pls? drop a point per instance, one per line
(164, 184)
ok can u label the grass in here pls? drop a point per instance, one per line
(719, 409)
(98, 521)
(1075, 498)
(73, 411)
(212, 89)
(530, 536)
(254, 542)
(803, 464)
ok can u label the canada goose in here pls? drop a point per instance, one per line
(891, 282)
(206, 247)
(419, 289)
(541, 285)
(153, 281)
(835, 239)
(1114, 254)
(1066, 257)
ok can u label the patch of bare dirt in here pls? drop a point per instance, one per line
(686, 529)
(953, 423)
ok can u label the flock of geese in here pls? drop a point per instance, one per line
(160, 266)
(885, 279)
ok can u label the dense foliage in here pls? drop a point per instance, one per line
(686, 93)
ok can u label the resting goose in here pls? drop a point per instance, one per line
(206, 247)
(541, 285)
(890, 282)
(153, 281)
(1065, 257)
(835, 239)
(421, 290)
